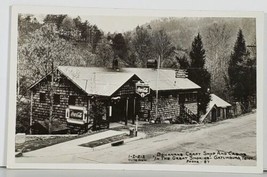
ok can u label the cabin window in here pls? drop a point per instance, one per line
(56, 99)
(42, 98)
(72, 100)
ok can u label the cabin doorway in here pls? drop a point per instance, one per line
(213, 115)
(131, 110)
(118, 110)
(123, 110)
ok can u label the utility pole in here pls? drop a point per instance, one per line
(157, 91)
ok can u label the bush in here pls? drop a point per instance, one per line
(23, 116)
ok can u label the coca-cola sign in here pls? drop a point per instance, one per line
(76, 114)
(142, 89)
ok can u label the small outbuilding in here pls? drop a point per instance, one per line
(217, 110)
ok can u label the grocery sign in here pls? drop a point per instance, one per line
(142, 89)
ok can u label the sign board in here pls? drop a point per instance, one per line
(142, 89)
(181, 73)
(76, 114)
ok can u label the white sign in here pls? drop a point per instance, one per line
(142, 89)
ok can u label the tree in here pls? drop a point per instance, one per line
(242, 73)
(197, 53)
(96, 37)
(26, 25)
(104, 53)
(40, 54)
(119, 46)
(55, 19)
(183, 62)
(68, 29)
(198, 74)
(162, 45)
(182, 59)
(85, 29)
(217, 41)
(68, 24)
(78, 23)
(142, 43)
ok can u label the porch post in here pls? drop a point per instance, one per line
(109, 112)
(133, 118)
(31, 112)
(126, 116)
(88, 108)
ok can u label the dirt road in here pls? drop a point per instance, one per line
(232, 138)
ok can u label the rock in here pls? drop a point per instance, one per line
(152, 121)
(166, 122)
(20, 138)
(18, 154)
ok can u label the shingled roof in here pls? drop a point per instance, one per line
(166, 79)
(95, 81)
(215, 100)
(104, 81)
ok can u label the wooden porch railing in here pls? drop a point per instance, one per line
(187, 115)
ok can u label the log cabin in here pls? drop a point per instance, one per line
(126, 93)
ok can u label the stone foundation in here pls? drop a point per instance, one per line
(168, 108)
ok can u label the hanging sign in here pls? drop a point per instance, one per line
(181, 73)
(142, 89)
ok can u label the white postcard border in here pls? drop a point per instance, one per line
(130, 12)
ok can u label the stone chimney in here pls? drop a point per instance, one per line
(115, 64)
(151, 63)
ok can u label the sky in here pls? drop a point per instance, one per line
(118, 24)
